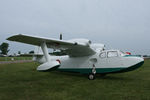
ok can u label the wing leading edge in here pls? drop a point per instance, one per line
(73, 49)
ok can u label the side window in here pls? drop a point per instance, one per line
(112, 54)
(103, 55)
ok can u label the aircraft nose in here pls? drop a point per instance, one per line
(135, 62)
(139, 59)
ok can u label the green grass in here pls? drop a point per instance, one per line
(23, 82)
(15, 58)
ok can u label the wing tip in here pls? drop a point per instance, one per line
(11, 37)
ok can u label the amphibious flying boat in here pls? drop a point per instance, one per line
(81, 56)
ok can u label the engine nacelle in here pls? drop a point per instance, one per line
(81, 41)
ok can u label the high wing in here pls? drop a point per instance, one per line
(73, 49)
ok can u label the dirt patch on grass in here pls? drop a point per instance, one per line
(18, 61)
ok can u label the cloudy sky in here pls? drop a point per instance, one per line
(119, 24)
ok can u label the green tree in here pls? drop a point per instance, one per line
(4, 48)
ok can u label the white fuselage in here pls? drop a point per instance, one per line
(106, 61)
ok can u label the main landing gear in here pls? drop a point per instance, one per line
(92, 75)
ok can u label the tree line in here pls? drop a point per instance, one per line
(4, 50)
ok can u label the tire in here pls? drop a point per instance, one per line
(91, 77)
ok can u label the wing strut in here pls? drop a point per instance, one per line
(49, 64)
(45, 51)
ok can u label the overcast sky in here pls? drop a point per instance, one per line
(119, 24)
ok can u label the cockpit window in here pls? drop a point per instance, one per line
(103, 55)
(112, 54)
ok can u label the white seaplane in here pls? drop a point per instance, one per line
(82, 56)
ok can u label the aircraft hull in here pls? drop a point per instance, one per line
(84, 65)
(102, 70)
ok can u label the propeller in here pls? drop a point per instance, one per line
(60, 36)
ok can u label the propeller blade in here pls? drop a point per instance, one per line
(60, 36)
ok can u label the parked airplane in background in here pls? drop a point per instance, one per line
(82, 56)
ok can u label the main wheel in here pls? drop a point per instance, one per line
(91, 76)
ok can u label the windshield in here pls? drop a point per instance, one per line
(112, 53)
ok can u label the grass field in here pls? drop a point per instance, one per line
(23, 82)
(15, 58)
